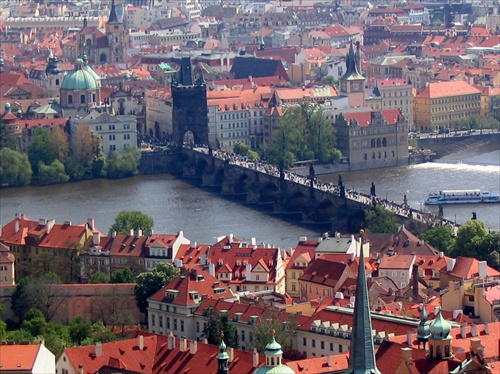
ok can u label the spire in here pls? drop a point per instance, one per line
(362, 352)
(222, 357)
(423, 331)
(352, 72)
(113, 18)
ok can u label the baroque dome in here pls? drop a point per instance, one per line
(80, 79)
(440, 328)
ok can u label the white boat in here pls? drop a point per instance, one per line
(462, 197)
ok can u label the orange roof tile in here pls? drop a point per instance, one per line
(18, 357)
(445, 89)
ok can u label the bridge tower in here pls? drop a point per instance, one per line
(190, 112)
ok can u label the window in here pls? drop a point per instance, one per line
(331, 347)
(70, 99)
(126, 136)
(313, 341)
(168, 323)
(257, 277)
(175, 324)
(153, 320)
(340, 348)
(322, 344)
(182, 325)
(304, 342)
(161, 321)
(243, 336)
(112, 148)
(112, 137)
(197, 326)
(82, 99)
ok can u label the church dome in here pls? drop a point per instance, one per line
(440, 328)
(79, 79)
(274, 365)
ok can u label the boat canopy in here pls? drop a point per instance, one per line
(461, 192)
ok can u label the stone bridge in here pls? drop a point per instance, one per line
(290, 197)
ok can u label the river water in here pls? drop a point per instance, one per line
(177, 205)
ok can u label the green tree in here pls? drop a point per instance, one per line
(219, 326)
(128, 220)
(79, 330)
(470, 240)
(151, 281)
(99, 334)
(123, 276)
(34, 322)
(240, 149)
(126, 164)
(269, 325)
(87, 159)
(52, 174)
(330, 80)
(3, 325)
(48, 145)
(41, 292)
(15, 169)
(319, 133)
(98, 278)
(440, 237)
(380, 220)
(281, 150)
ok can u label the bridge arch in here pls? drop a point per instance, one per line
(269, 193)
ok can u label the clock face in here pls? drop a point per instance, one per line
(355, 86)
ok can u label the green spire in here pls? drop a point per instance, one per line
(362, 352)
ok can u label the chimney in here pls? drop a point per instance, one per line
(231, 238)
(329, 360)
(415, 281)
(473, 329)
(475, 346)
(90, 223)
(131, 232)
(230, 352)
(50, 224)
(409, 339)
(42, 221)
(98, 349)
(406, 355)
(441, 254)
(171, 341)
(457, 312)
(193, 347)
(255, 358)
(463, 332)
(482, 269)
(96, 238)
(80, 369)
(16, 227)
(113, 234)
(138, 234)
(450, 264)
(486, 328)
(140, 342)
(205, 341)
(183, 344)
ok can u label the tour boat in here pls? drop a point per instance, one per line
(462, 197)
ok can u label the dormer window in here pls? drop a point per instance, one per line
(171, 294)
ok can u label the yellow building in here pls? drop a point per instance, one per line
(445, 104)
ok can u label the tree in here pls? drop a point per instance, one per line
(48, 145)
(269, 325)
(52, 174)
(219, 327)
(34, 322)
(126, 164)
(99, 334)
(128, 220)
(440, 237)
(380, 220)
(320, 135)
(281, 150)
(86, 154)
(470, 239)
(330, 80)
(123, 276)
(79, 330)
(98, 278)
(40, 292)
(151, 281)
(15, 169)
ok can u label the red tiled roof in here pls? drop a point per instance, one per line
(318, 365)
(200, 282)
(396, 262)
(468, 267)
(445, 89)
(18, 357)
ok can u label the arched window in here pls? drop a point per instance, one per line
(385, 154)
(365, 156)
(380, 155)
(93, 98)
(82, 99)
(447, 351)
(384, 142)
(373, 143)
(438, 352)
(102, 57)
(57, 82)
(379, 143)
(373, 156)
(88, 42)
(70, 99)
(393, 154)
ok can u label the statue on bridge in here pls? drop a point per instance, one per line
(372, 190)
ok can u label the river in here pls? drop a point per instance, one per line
(177, 205)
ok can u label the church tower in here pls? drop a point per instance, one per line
(362, 351)
(352, 83)
(440, 340)
(423, 329)
(117, 37)
(222, 358)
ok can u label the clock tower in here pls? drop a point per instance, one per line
(352, 83)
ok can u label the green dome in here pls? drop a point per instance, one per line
(280, 369)
(440, 328)
(273, 348)
(79, 79)
(423, 329)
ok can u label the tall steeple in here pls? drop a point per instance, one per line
(113, 18)
(352, 72)
(362, 352)
(222, 357)
(352, 83)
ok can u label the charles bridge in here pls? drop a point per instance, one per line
(290, 196)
